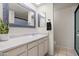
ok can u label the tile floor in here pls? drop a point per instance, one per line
(65, 52)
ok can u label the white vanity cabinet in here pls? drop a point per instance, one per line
(33, 51)
(33, 48)
(46, 46)
(43, 46)
(18, 51)
(41, 49)
(38, 47)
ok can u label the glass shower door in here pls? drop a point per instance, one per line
(77, 30)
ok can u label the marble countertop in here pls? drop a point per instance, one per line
(14, 42)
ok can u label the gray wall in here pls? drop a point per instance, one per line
(64, 27)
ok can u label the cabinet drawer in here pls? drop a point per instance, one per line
(32, 44)
(43, 39)
(16, 51)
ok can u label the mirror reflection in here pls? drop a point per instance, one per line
(20, 16)
(41, 20)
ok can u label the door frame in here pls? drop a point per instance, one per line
(75, 29)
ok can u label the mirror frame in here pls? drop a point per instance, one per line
(6, 13)
(30, 9)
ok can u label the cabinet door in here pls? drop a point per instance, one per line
(33, 51)
(41, 49)
(23, 54)
(46, 46)
(32, 44)
(16, 51)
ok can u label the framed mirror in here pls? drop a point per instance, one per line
(22, 15)
(41, 20)
(4, 29)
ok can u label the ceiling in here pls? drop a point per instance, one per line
(57, 5)
(37, 5)
(63, 5)
(19, 9)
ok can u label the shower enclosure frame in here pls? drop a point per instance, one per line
(75, 29)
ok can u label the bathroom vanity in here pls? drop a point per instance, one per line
(31, 45)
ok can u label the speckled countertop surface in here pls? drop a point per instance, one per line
(14, 42)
